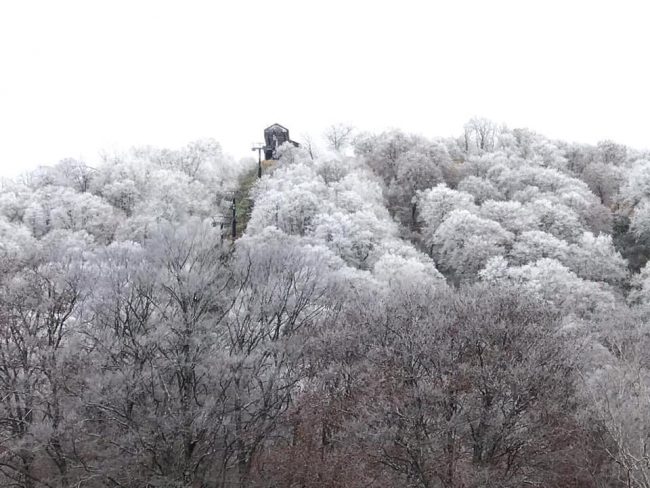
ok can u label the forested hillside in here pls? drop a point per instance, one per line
(399, 312)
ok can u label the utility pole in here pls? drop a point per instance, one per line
(259, 147)
(234, 219)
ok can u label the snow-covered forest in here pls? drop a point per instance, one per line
(397, 311)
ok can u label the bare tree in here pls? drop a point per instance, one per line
(40, 309)
(309, 145)
(339, 136)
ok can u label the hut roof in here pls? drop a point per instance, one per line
(276, 127)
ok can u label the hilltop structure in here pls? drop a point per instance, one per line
(274, 136)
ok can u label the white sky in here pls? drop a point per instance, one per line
(77, 77)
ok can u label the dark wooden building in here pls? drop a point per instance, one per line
(274, 136)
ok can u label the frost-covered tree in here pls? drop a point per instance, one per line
(594, 258)
(354, 236)
(610, 152)
(481, 188)
(640, 293)
(381, 152)
(480, 135)
(55, 207)
(435, 205)
(533, 245)
(637, 185)
(420, 168)
(41, 312)
(555, 219)
(464, 242)
(604, 180)
(358, 190)
(616, 391)
(140, 347)
(72, 174)
(293, 211)
(554, 283)
(512, 215)
(640, 222)
(396, 269)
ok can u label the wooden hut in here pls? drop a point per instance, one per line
(274, 136)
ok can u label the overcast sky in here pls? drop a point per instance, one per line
(80, 77)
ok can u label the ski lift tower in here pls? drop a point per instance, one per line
(259, 147)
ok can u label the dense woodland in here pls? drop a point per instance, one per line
(399, 312)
